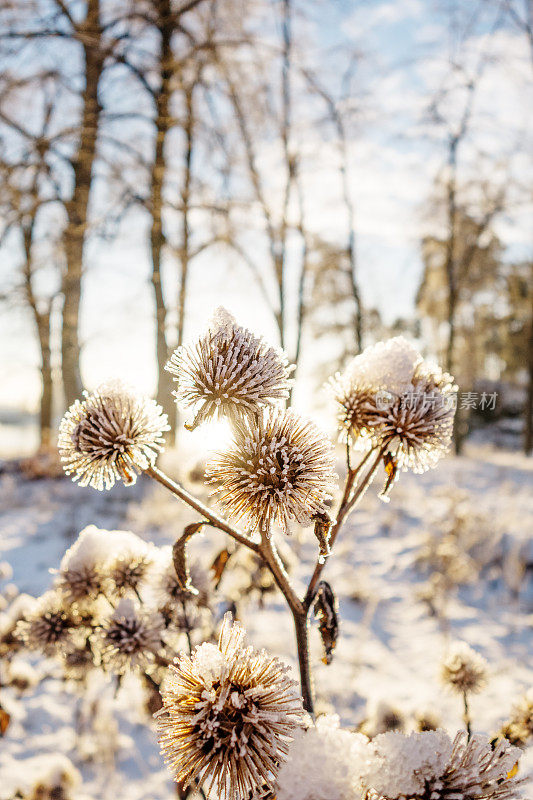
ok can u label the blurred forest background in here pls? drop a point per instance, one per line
(334, 172)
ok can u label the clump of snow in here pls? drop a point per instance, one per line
(96, 546)
(399, 764)
(386, 365)
(324, 762)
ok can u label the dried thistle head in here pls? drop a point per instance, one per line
(228, 715)
(386, 367)
(382, 718)
(518, 730)
(280, 469)
(83, 569)
(476, 771)
(130, 568)
(463, 669)
(416, 426)
(428, 766)
(356, 410)
(50, 626)
(111, 435)
(130, 637)
(78, 660)
(229, 372)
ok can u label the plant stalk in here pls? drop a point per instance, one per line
(211, 518)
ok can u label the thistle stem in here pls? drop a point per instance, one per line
(347, 504)
(466, 716)
(271, 558)
(210, 517)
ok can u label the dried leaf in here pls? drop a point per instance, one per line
(323, 525)
(5, 719)
(219, 565)
(325, 608)
(391, 470)
(179, 556)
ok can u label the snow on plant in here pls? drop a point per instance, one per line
(229, 712)
(324, 761)
(429, 766)
(106, 611)
(229, 372)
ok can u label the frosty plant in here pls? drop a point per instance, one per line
(229, 711)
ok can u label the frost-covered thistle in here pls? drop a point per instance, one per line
(228, 372)
(50, 625)
(389, 397)
(130, 637)
(386, 367)
(111, 435)
(417, 425)
(83, 573)
(130, 568)
(463, 669)
(428, 766)
(228, 715)
(519, 728)
(280, 469)
(323, 763)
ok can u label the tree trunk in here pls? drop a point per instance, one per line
(77, 207)
(185, 200)
(528, 439)
(45, 413)
(157, 237)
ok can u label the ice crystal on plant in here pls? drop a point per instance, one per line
(324, 762)
(416, 426)
(130, 637)
(228, 715)
(389, 397)
(280, 469)
(463, 669)
(111, 435)
(229, 372)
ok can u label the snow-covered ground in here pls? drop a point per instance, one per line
(390, 646)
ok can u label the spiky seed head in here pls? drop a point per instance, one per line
(428, 766)
(416, 426)
(476, 771)
(463, 669)
(229, 372)
(356, 410)
(130, 637)
(50, 625)
(279, 469)
(228, 715)
(77, 661)
(518, 730)
(112, 435)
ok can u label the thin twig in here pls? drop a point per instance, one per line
(346, 505)
(210, 517)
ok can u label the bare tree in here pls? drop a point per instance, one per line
(26, 189)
